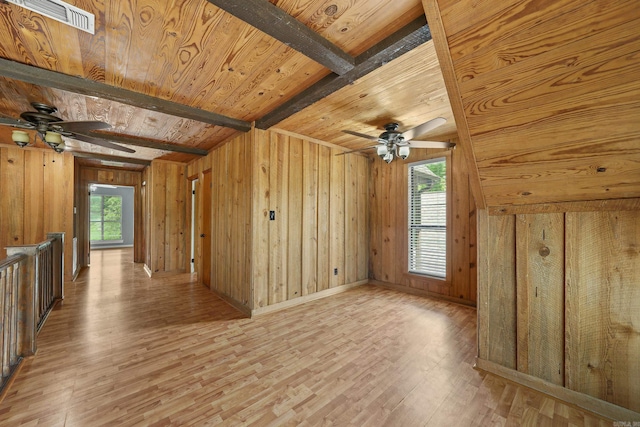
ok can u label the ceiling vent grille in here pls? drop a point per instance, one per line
(60, 11)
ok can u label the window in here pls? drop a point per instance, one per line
(106, 218)
(428, 218)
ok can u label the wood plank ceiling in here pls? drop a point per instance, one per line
(547, 95)
(149, 60)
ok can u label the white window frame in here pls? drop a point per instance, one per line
(439, 229)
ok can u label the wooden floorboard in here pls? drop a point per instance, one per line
(124, 349)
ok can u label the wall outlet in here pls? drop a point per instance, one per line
(335, 271)
(272, 215)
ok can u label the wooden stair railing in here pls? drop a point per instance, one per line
(31, 282)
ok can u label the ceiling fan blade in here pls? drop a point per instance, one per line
(423, 128)
(361, 135)
(102, 143)
(356, 151)
(16, 123)
(81, 126)
(430, 144)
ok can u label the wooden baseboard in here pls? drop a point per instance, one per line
(233, 303)
(163, 273)
(581, 400)
(421, 292)
(306, 298)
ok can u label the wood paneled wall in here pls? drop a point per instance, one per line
(89, 175)
(318, 239)
(167, 198)
(230, 197)
(389, 229)
(559, 299)
(320, 226)
(36, 198)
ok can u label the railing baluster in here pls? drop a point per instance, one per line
(6, 324)
(4, 317)
(31, 280)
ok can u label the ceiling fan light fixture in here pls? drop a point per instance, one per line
(53, 138)
(20, 137)
(388, 157)
(403, 152)
(382, 150)
(60, 147)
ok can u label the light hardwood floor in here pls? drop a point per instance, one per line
(124, 349)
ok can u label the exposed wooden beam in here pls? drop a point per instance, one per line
(105, 157)
(402, 41)
(54, 79)
(275, 22)
(141, 142)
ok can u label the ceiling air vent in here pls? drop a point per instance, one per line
(60, 11)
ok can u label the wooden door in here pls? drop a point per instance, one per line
(205, 228)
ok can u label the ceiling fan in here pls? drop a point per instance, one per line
(51, 129)
(393, 143)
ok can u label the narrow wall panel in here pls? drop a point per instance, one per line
(460, 234)
(261, 169)
(362, 218)
(324, 171)
(375, 220)
(337, 220)
(34, 197)
(501, 290)
(309, 218)
(11, 210)
(350, 212)
(603, 306)
(540, 295)
(158, 217)
(295, 220)
(278, 229)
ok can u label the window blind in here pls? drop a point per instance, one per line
(428, 218)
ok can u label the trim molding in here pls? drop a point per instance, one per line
(581, 400)
(421, 292)
(307, 298)
(632, 204)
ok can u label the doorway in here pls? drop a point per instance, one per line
(111, 216)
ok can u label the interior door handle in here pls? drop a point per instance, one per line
(202, 235)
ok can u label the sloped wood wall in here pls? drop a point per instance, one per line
(167, 198)
(389, 230)
(559, 299)
(546, 95)
(89, 175)
(36, 198)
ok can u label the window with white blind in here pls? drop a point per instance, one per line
(428, 217)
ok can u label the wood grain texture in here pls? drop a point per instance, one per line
(33, 181)
(603, 306)
(304, 184)
(500, 291)
(388, 228)
(540, 250)
(168, 216)
(528, 74)
(166, 351)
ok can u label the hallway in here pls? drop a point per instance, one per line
(124, 349)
